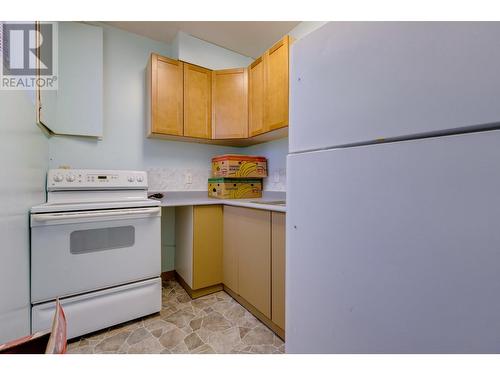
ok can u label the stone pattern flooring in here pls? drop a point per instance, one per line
(212, 324)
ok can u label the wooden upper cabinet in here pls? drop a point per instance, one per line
(233, 107)
(166, 82)
(276, 80)
(230, 103)
(197, 101)
(256, 98)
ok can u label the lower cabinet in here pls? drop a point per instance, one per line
(242, 249)
(247, 234)
(231, 242)
(254, 262)
(198, 253)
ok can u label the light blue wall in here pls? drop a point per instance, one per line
(275, 152)
(24, 156)
(124, 145)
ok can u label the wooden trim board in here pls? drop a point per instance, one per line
(234, 142)
(199, 292)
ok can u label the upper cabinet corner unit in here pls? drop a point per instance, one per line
(236, 107)
(268, 89)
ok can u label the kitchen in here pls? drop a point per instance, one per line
(376, 143)
(123, 138)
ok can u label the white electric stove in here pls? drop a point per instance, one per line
(95, 245)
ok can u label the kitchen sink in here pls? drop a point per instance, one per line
(274, 203)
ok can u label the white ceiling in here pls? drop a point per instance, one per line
(249, 38)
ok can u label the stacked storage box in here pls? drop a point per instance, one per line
(237, 176)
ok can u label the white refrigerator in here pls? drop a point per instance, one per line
(393, 202)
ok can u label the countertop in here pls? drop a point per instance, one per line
(197, 198)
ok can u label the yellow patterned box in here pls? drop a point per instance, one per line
(234, 188)
(231, 165)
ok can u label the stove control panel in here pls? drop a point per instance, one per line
(93, 179)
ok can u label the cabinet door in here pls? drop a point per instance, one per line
(230, 103)
(231, 243)
(76, 107)
(254, 257)
(166, 94)
(207, 246)
(276, 104)
(197, 101)
(278, 269)
(256, 98)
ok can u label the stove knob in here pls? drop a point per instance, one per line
(131, 179)
(58, 177)
(70, 178)
(140, 179)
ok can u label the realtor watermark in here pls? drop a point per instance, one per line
(28, 56)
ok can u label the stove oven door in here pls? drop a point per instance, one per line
(83, 251)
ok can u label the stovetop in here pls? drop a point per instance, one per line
(91, 189)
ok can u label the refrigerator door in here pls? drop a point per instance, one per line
(355, 82)
(395, 248)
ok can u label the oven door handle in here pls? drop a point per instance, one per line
(93, 214)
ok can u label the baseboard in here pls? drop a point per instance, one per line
(168, 275)
(198, 292)
(264, 319)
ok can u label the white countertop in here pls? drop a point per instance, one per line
(197, 198)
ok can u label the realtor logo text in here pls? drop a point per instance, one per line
(29, 58)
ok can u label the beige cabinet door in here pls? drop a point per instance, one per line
(276, 88)
(207, 246)
(256, 97)
(231, 242)
(166, 87)
(254, 257)
(197, 101)
(278, 268)
(230, 103)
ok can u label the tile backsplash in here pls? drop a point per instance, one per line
(178, 179)
(276, 180)
(185, 179)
